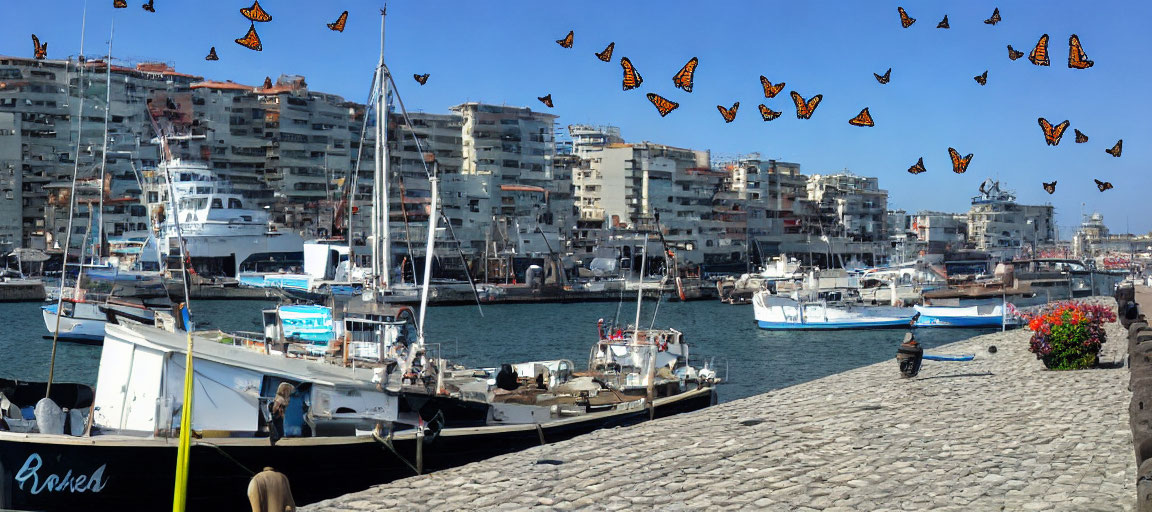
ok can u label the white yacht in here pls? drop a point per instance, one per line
(221, 230)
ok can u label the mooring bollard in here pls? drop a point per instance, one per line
(1140, 419)
(909, 356)
(1144, 487)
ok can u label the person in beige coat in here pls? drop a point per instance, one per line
(269, 492)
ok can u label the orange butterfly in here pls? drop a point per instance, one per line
(768, 114)
(606, 55)
(918, 168)
(663, 105)
(547, 100)
(120, 4)
(943, 23)
(982, 79)
(1103, 185)
(148, 6)
(883, 79)
(959, 165)
(864, 118)
(1039, 55)
(683, 79)
(995, 17)
(338, 25)
(212, 54)
(804, 109)
(1077, 59)
(1052, 134)
(1080, 137)
(1050, 187)
(567, 41)
(728, 113)
(1115, 151)
(251, 40)
(40, 51)
(632, 79)
(256, 13)
(1013, 54)
(905, 20)
(770, 91)
(421, 79)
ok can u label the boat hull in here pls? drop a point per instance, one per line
(893, 323)
(964, 316)
(781, 313)
(122, 473)
(83, 326)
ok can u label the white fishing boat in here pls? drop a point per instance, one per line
(827, 312)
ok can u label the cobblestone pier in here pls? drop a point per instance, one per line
(996, 433)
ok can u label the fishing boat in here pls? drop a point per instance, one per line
(827, 311)
(995, 314)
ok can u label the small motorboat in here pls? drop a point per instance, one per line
(976, 315)
(828, 312)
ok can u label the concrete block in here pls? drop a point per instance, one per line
(1140, 419)
(1144, 487)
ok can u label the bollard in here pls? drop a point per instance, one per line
(1144, 487)
(1140, 419)
(1135, 330)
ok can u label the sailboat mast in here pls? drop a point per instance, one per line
(104, 153)
(382, 236)
(71, 202)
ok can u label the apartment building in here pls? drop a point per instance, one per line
(856, 204)
(997, 224)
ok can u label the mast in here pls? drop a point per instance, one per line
(434, 215)
(104, 153)
(71, 203)
(381, 245)
(640, 288)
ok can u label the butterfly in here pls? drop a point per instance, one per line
(904, 19)
(918, 168)
(770, 91)
(663, 105)
(547, 100)
(995, 17)
(606, 55)
(768, 114)
(1013, 54)
(421, 79)
(943, 23)
(883, 79)
(212, 54)
(1050, 187)
(338, 25)
(1039, 55)
(120, 4)
(1102, 185)
(864, 118)
(1077, 59)
(255, 13)
(40, 51)
(804, 109)
(632, 79)
(1080, 137)
(683, 79)
(567, 41)
(1052, 134)
(982, 78)
(1115, 151)
(728, 113)
(251, 40)
(959, 165)
(148, 6)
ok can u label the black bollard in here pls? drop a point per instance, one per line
(909, 356)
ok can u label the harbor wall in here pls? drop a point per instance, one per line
(999, 432)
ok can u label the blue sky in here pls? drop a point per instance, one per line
(504, 52)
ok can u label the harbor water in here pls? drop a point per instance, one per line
(754, 360)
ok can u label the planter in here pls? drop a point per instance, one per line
(1068, 335)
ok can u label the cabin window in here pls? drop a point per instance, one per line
(234, 203)
(216, 203)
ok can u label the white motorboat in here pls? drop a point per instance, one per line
(787, 313)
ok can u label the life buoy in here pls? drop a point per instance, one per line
(680, 289)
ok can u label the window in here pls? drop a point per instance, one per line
(216, 203)
(234, 203)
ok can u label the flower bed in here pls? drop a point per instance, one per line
(1068, 335)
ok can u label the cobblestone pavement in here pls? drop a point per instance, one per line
(996, 433)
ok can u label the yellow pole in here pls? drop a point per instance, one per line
(180, 496)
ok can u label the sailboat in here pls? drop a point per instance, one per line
(367, 405)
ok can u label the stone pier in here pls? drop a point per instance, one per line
(996, 433)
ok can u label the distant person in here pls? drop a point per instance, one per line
(269, 491)
(278, 407)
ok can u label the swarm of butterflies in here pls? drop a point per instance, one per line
(805, 107)
(684, 80)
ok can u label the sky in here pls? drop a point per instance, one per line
(505, 53)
